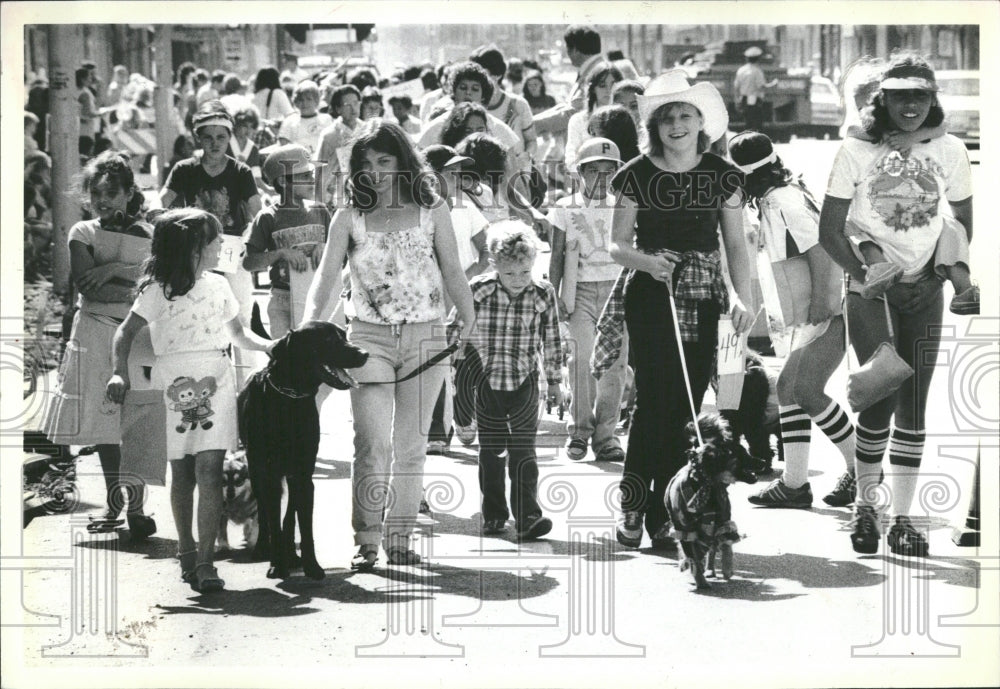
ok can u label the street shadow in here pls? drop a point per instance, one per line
(601, 549)
(257, 602)
(751, 573)
(422, 582)
(152, 548)
(964, 573)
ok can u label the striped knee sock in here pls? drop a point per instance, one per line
(838, 428)
(868, 462)
(905, 451)
(795, 428)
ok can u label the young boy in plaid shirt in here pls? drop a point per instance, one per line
(517, 319)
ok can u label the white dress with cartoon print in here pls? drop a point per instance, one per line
(900, 202)
(197, 378)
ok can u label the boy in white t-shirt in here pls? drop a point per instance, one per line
(304, 127)
(584, 274)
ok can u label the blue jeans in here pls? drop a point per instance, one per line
(390, 428)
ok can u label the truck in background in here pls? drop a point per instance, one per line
(798, 104)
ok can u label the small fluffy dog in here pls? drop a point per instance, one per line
(697, 499)
(239, 505)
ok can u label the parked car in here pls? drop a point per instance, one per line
(959, 97)
(826, 110)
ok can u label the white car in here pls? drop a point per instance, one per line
(825, 109)
(959, 98)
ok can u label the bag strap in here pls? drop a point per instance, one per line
(847, 339)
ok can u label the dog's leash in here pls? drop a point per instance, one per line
(440, 356)
(684, 367)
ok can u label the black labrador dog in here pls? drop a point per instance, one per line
(279, 428)
(697, 499)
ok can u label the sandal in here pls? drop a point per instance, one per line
(207, 578)
(365, 559)
(402, 556)
(188, 561)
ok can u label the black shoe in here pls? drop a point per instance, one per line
(537, 528)
(777, 494)
(662, 540)
(865, 536)
(494, 527)
(843, 493)
(904, 539)
(141, 527)
(629, 529)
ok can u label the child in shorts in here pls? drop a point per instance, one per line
(951, 258)
(289, 235)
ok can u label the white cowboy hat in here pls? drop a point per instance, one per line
(672, 87)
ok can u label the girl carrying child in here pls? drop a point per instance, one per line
(951, 256)
(810, 304)
(106, 254)
(193, 316)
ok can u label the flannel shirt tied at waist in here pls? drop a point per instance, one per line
(699, 279)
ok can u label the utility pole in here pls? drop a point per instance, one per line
(65, 55)
(165, 133)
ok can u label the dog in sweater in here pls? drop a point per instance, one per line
(697, 497)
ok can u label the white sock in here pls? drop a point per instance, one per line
(795, 428)
(905, 451)
(868, 462)
(837, 425)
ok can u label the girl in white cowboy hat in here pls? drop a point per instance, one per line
(670, 206)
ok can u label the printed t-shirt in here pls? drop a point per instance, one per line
(224, 195)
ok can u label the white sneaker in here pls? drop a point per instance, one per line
(436, 447)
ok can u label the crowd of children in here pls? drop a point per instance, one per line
(421, 214)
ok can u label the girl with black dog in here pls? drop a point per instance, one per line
(899, 201)
(193, 316)
(671, 204)
(396, 233)
(810, 305)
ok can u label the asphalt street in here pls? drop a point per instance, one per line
(573, 609)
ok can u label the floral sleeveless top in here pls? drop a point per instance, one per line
(395, 277)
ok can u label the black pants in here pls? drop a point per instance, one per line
(658, 443)
(753, 115)
(508, 420)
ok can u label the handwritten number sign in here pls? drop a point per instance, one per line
(730, 365)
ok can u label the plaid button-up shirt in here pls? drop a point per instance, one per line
(512, 332)
(700, 279)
